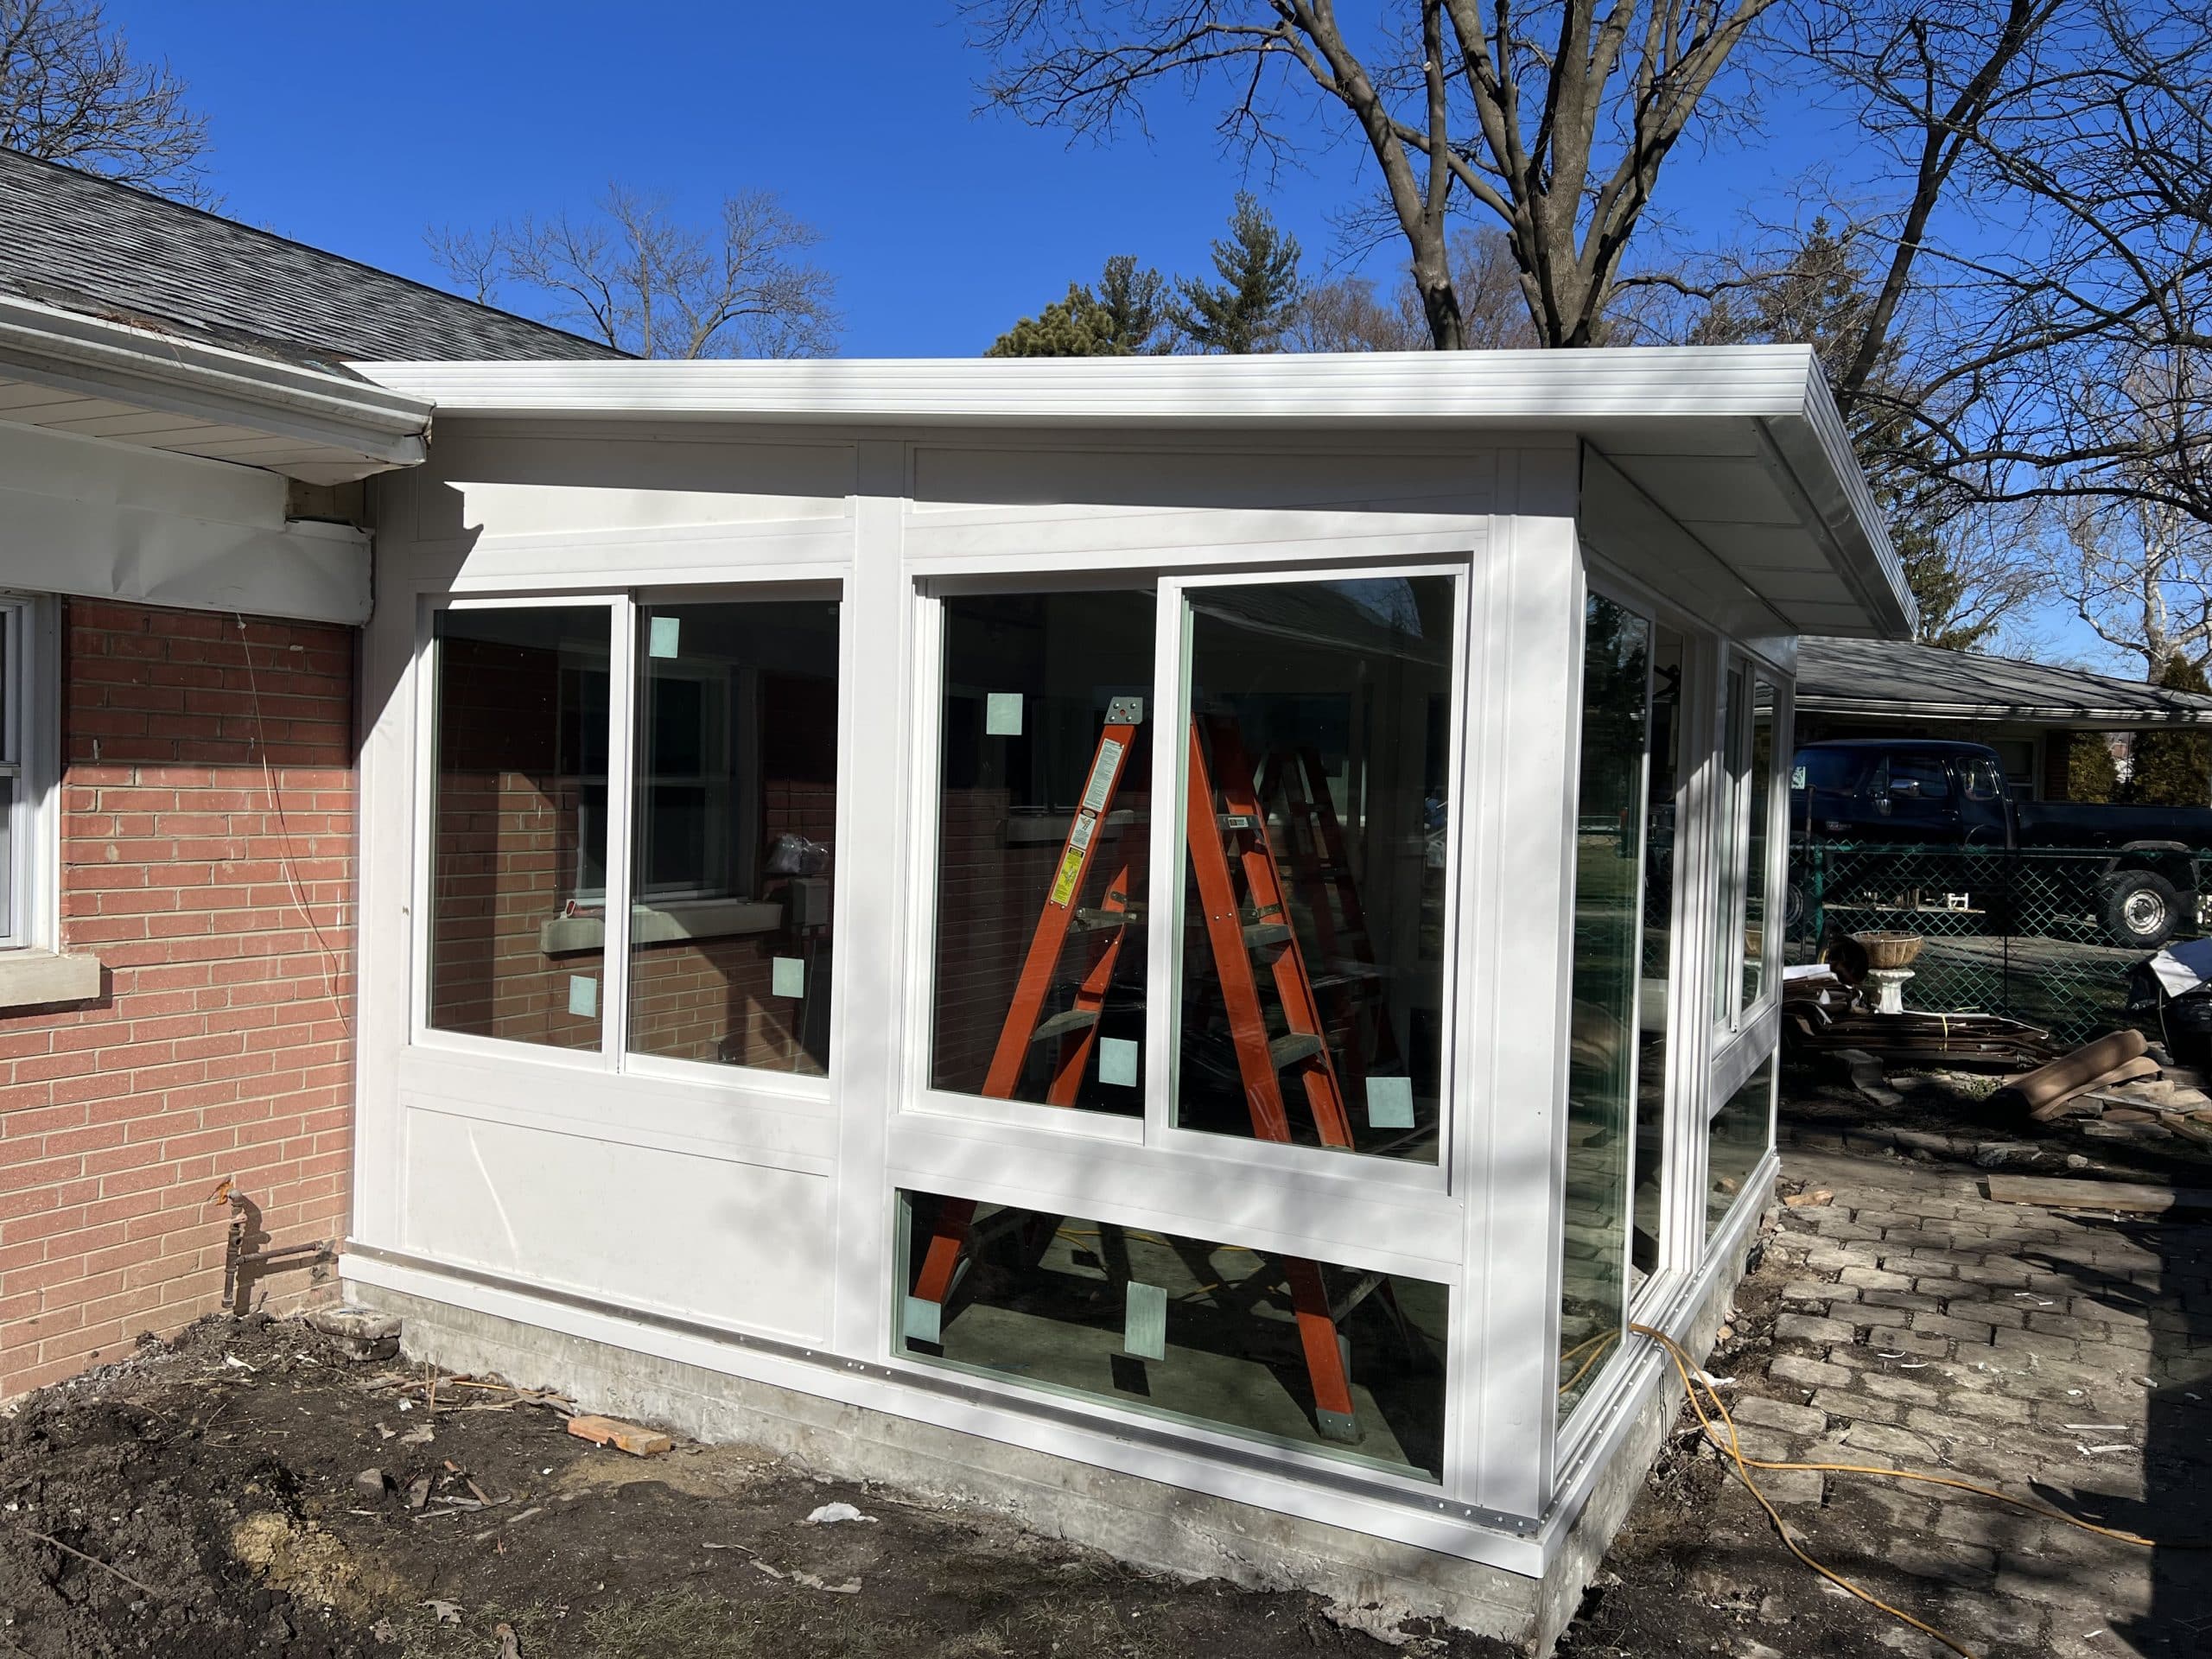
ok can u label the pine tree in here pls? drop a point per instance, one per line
(1255, 302)
(2173, 764)
(1127, 316)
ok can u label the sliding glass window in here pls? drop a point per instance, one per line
(1760, 782)
(1317, 828)
(1043, 814)
(735, 816)
(727, 784)
(1609, 904)
(518, 821)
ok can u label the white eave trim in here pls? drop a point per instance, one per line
(119, 361)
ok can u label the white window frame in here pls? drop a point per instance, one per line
(1167, 711)
(613, 1056)
(29, 734)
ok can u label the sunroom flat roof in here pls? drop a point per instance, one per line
(1741, 444)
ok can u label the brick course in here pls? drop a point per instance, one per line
(222, 1047)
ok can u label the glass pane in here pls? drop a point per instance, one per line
(1043, 827)
(1179, 1328)
(1610, 822)
(736, 811)
(1663, 784)
(1738, 1138)
(1728, 870)
(10, 923)
(518, 823)
(1761, 785)
(1317, 828)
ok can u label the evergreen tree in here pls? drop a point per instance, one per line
(2173, 764)
(1255, 302)
(1126, 316)
(2091, 774)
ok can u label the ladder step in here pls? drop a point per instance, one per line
(1060, 1024)
(1097, 921)
(1236, 821)
(1294, 1046)
(1257, 934)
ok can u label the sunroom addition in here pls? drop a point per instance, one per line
(1171, 938)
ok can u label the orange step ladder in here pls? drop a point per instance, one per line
(1238, 832)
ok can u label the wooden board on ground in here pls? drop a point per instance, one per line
(609, 1431)
(2136, 1197)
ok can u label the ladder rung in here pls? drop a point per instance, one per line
(1294, 1046)
(1236, 820)
(1093, 921)
(1060, 1024)
(1257, 934)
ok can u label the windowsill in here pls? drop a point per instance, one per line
(695, 918)
(30, 979)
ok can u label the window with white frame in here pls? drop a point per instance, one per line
(24, 715)
(682, 752)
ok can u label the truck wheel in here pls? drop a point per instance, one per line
(2139, 909)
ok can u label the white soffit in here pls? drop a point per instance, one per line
(1742, 443)
(90, 377)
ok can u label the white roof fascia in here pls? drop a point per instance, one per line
(1561, 390)
(1778, 389)
(140, 367)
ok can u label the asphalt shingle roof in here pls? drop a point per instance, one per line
(1888, 676)
(80, 243)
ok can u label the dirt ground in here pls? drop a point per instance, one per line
(210, 1501)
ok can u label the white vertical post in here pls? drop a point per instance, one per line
(1170, 714)
(1516, 839)
(621, 818)
(876, 715)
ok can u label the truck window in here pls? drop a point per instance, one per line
(1980, 781)
(1829, 770)
(1914, 777)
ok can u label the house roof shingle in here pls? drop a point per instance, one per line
(1892, 677)
(85, 244)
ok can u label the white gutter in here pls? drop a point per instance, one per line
(125, 363)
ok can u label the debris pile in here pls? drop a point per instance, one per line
(2128, 1085)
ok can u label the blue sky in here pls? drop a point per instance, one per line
(352, 126)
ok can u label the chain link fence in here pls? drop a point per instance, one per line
(2033, 935)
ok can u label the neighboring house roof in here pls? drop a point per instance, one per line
(75, 242)
(1894, 680)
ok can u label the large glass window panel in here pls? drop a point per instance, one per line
(1043, 814)
(1760, 782)
(1317, 836)
(1186, 1329)
(1729, 868)
(518, 823)
(1610, 827)
(1737, 1139)
(1663, 786)
(734, 804)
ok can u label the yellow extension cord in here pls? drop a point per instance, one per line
(1694, 1379)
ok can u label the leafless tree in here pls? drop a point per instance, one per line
(1347, 314)
(633, 275)
(71, 91)
(2140, 572)
(1556, 123)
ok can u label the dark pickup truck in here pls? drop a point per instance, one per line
(2145, 885)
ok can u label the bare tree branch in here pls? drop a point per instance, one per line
(71, 91)
(631, 274)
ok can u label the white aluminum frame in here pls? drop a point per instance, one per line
(29, 732)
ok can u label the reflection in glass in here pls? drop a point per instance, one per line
(1761, 784)
(1728, 869)
(735, 817)
(518, 823)
(1740, 1134)
(1205, 1332)
(1663, 786)
(1610, 826)
(1037, 687)
(1316, 829)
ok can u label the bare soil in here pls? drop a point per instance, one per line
(208, 1498)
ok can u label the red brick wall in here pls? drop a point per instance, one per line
(221, 1048)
